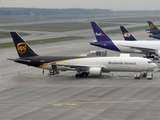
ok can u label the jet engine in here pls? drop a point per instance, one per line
(95, 71)
(158, 53)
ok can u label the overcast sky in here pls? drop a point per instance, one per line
(103, 4)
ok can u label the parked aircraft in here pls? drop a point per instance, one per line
(83, 65)
(154, 31)
(127, 35)
(148, 48)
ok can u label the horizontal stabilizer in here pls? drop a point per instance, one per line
(18, 60)
(95, 43)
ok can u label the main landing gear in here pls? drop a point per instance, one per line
(139, 75)
(82, 74)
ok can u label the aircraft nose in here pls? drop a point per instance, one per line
(154, 65)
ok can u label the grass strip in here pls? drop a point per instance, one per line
(7, 34)
(34, 42)
(130, 29)
(57, 27)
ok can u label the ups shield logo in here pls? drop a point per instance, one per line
(151, 26)
(21, 48)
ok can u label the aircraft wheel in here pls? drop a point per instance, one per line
(86, 74)
(82, 74)
(77, 75)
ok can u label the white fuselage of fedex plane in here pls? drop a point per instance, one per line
(106, 64)
(137, 46)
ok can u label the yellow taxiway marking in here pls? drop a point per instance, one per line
(74, 104)
(73, 44)
(62, 104)
(87, 113)
(57, 104)
(147, 102)
(71, 104)
(55, 46)
(142, 101)
(5, 53)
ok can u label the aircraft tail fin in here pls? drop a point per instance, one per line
(23, 49)
(152, 26)
(100, 35)
(127, 35)
(102, 39)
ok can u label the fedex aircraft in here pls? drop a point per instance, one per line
(83, 65)
(148, 48)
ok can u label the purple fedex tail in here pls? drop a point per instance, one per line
(102, 39)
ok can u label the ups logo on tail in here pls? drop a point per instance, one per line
(151, 26)
(21, 48)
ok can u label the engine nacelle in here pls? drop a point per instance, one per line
(158, 53)
(95, 71)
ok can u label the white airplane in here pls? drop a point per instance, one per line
(83, 65)
(148, 48)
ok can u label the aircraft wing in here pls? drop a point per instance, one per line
(142, 48)
(80, 67)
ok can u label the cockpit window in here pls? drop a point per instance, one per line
(150, 62)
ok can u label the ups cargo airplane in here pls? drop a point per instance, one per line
(148, 48)
(154, 31)
(83, 65)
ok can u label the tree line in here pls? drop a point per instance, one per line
(39, 11)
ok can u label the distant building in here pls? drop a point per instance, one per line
(32, 13)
